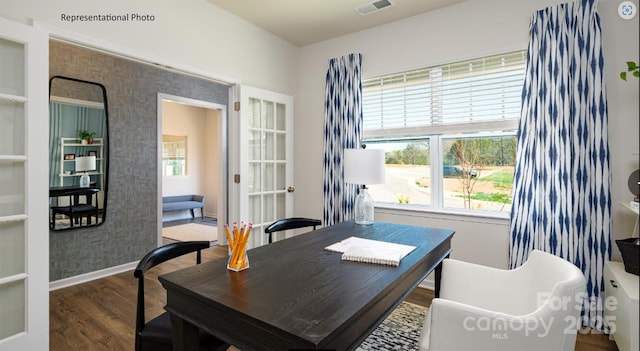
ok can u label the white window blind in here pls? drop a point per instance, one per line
(473, 95)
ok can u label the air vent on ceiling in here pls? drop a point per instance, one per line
(373, 7)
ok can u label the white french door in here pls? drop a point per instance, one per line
(264, 159)
(24, 232)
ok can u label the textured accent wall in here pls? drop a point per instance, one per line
(130, 228)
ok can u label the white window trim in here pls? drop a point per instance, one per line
(489, 217)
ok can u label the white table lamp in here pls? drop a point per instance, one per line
(362, 166)
(85, 164)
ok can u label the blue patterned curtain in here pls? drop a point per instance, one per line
(342, 130)
(561, 195)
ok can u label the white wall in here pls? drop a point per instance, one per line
(188, 32)
(465, 30)
(214, 169)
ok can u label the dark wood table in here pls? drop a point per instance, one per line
(298, 296)
(71, 190)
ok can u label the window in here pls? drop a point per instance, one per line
(449, 132)
(174, 155)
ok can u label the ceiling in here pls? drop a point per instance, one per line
(304, 22)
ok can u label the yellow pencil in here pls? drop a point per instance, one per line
(229, 238)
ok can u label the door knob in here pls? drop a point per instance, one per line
(291, 189)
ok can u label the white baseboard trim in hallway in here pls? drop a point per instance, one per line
(87, 277)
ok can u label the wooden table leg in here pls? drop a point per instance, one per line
(185, 336)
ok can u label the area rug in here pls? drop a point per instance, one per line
(191, 232)
(399, 331)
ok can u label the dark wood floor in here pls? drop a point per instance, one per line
(100, 315)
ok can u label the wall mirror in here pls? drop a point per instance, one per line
(78, 153)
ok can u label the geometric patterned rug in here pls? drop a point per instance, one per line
(399, 331)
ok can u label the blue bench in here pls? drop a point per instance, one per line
(183, 202)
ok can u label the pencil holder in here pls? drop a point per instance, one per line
(238, 239)
(238, 263)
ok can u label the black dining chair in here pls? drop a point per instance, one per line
(77, 210)
(155, 335)
(291, 223)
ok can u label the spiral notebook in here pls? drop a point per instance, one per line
(371, 251)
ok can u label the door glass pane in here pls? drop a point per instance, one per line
(12, 134)
(255, 209)
(281, 147)
(255, 144)
(280, 205)
(280, 117)
(254, 113)
(281, 176)
(268, 177)
(12, 65)
(12, 308)
(13, 131)
(12, 191)
(254, 177)
(269, 210)
(268, 118)
(12, 247)
(268, 147)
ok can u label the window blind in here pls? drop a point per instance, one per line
(473, 95)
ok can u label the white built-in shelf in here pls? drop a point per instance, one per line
(74, 145)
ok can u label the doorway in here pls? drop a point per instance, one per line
(199, 167)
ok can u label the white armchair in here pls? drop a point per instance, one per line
(534, 307)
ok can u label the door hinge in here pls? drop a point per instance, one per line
(236, 178)
(236, 106)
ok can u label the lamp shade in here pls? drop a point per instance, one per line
(85, 163)
(364, 166)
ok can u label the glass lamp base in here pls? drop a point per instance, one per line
(84, 180)
(364, 208)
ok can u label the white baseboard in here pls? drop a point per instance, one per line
(83, 278)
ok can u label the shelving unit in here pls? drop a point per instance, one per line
(74, 146)
(634, 210)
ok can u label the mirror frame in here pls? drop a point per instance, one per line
(106, 150)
